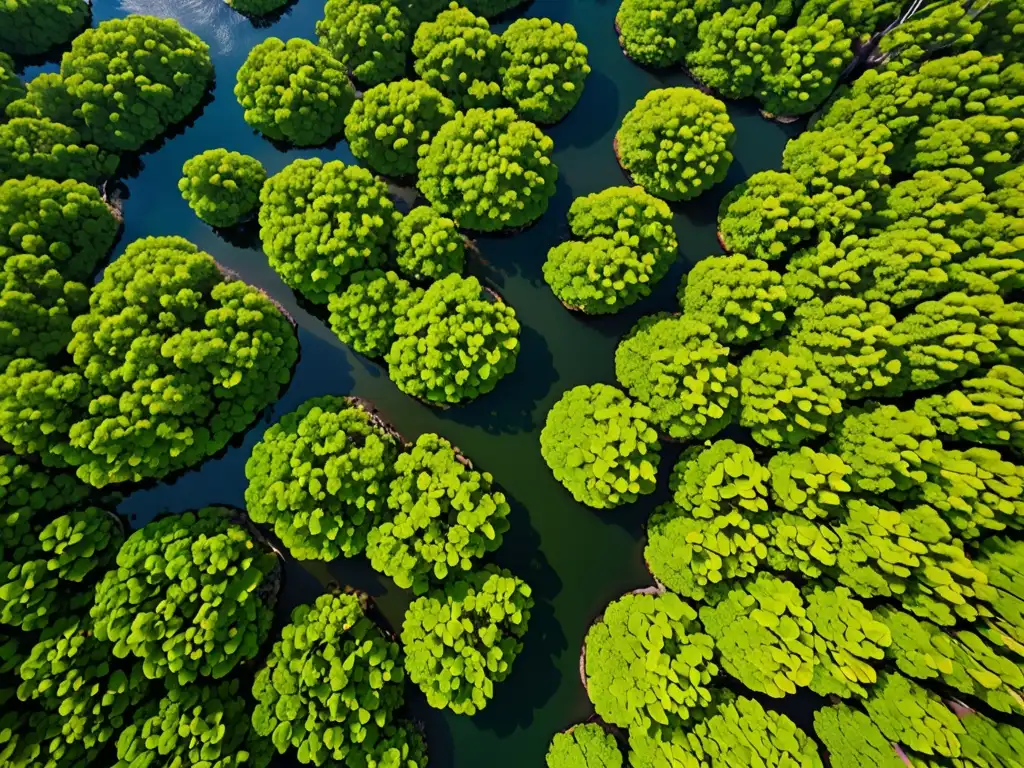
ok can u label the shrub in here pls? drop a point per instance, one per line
(984, 145)
(587, 745)
(724, 475)
(733, 51)
(766, 216)
(628, 245)
(70, 674)
(205, 724)
(740, 299)
(799, 545)
(676, 367)
(50, 569)
(852, 740)
(31, 27)
(294, 91)
(488, 170)
(810, 482)
(370, 39)
(428, 246)
(741, 732)
(401, 743)
(834, 158)
(320, 476)
(128, 97)
(47, 98)
(11, 87)
(656, 33)
(116, 421)
(786, 400)
(463, 639)
(803, 66)
(331, 684)
(599, 444)
(40, 147)
(386, 128)
(365, 313)
(320, 222)
(987, 409)
(545, 69)
(459, 55)
(905, 712)
(444, 515)
(848, 339)
(222, 187)
(36, 308)
(193, 594)
(66, 220)
(455, 343)
(647, 664)
(675, 142)
(256, 7)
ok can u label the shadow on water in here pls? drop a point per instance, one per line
(244, 235)
(534, 678)
(591, 119)
(512, 407)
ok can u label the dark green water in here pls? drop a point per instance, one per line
(576, 560)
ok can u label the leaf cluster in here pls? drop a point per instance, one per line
(428, 246)
(600, 445)
(32, 146)
(32, 27)
(587, 745)
(369, 38)
(222, 187)
(766, 216)
(655, 33)
(365, 314)
(545, 67)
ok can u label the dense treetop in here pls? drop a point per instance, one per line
(29, 27)
(222, 187)
(370, 39)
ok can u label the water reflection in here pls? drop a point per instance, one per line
(212, 20)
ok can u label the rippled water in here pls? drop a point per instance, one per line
(576, 560)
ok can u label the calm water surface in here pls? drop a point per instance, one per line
(576, 560)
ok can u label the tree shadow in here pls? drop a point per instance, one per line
(244, 235)
(269, 19)
(511, 407)
(535, 677)
(592, 117)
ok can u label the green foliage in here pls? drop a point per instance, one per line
(66, 220)
(786, 400)
(852, 740)
(364, 314)
(655, 33)
(988, 743)
(848, 339)
(444, 515)
(910, 715)
(46, 97)
(294, 91)
(675, 142)
(11, 87)
(70, 674)
(51, 570)
(676, 367)
(222, 187)
(491, 8)
(647, 664)
(36, 308)
(859, 17)
(386, 128)
(961, 660)
(774, 640)
(1000, 559)
(31, 27)
(131, 78)
(740, 299)
(401, 745)
(600, 445)
(803, 66)
(453, 343)
(256, 7)
(545, 69)
(733, 48)
(984, 145)
(331, 684)
(320, 222)
(740, 733)
(488, 170)
(724, 475)
(320, 476)
(369, 38)
(192, 595)
(937, 26)
(810, 482)
(766, 215)
(428, 246)
(459, 55)
(40, 147)
(145, 398)
(419, 11)
(463, 639)
(204, 724)
(988, 409)
(587, 745)
(628, 244)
